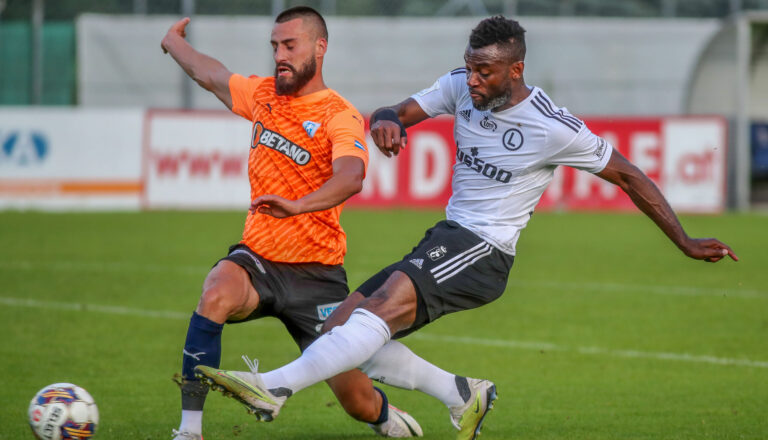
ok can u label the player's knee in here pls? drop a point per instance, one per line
(395, 302)
(218, 301)
(227, 293)
(327, 326)
(212, 299)
(342, 312)
(333, 321)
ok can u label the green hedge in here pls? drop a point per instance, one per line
(58, 63)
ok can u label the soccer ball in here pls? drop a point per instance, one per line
(63, 411)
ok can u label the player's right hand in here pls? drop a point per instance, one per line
(708, 249)
(178, 29)
(275, 206)
(386, 135)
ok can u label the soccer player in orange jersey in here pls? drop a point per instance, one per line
(307, 156)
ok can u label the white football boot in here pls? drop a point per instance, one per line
(399, 424)
(186, 435)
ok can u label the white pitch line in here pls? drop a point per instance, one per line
(80, 307)
(110, 310)
(619, 287)
(107, 266)
(103, 266)
(645, 288)
(502, 343)
(538, 346)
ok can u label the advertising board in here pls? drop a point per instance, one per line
(70, 158)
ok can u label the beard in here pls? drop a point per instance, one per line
(494, 101)
(289, 86)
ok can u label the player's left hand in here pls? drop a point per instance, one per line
(178, 29)
(389, 137)
(708, 249)
(275, 206)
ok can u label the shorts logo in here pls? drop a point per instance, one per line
(325, 310)
(310, 127)
(359, 145)
(276, 141)
(255, 260)
(418, 262)
(437, 253)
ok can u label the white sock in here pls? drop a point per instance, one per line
(342, 349)
(395, 364)
(191, 421)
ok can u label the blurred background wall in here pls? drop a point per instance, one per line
(596, 66)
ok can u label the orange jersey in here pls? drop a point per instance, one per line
(293, 145)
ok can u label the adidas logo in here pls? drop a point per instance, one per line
(310, 127)
(466, 114)
(418, 262)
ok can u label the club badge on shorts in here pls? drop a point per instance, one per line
(437, 253)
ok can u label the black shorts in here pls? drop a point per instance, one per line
(452, 269)
(301, 295)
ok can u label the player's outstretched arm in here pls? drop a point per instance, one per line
(388, 125)
(206, 71)
(347, 180)
(646, 196)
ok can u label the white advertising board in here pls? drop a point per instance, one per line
(61, 158)
(196, 159)
(693, 174)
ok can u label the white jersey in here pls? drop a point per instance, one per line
(506, 159)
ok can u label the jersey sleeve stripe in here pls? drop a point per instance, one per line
(548, 103)
(458, 71)
(546, 113)
(555, 111)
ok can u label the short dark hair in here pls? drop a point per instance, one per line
(305, 12)
(505, 32)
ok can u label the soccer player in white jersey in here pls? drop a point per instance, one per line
(510, 137)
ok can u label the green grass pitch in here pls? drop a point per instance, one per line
(606, 331)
